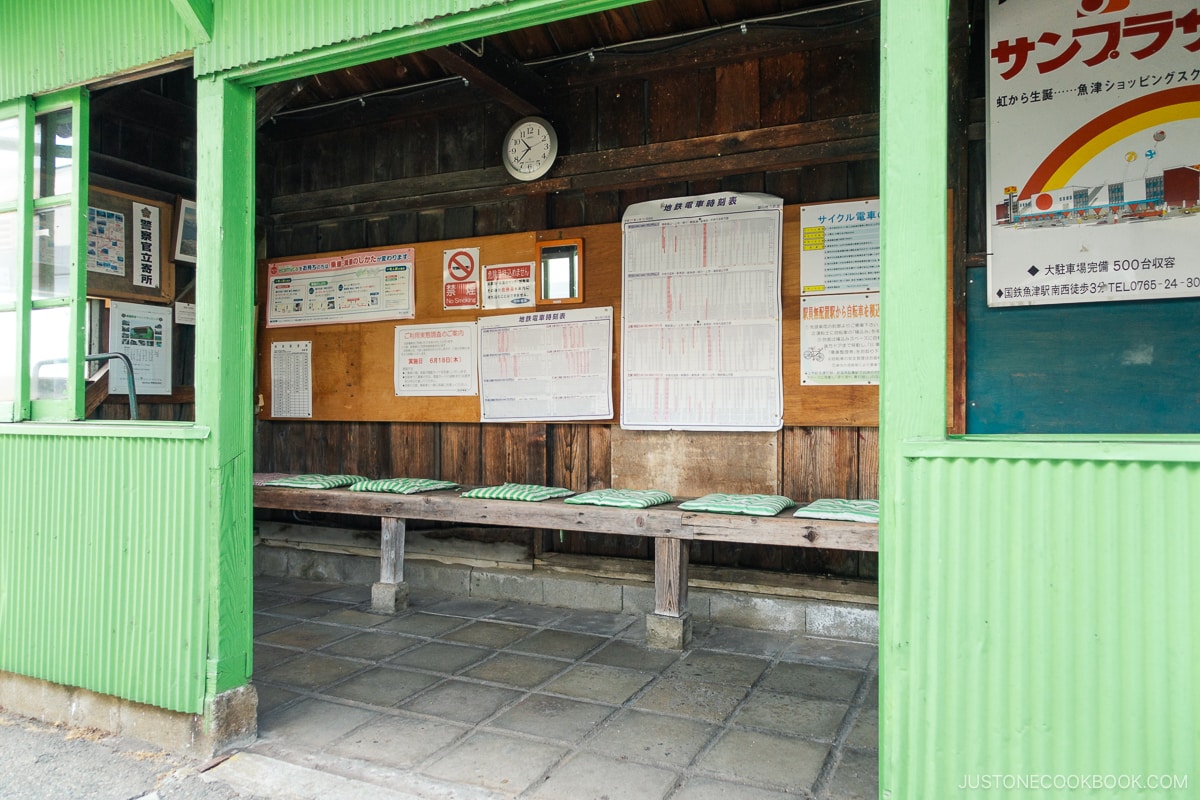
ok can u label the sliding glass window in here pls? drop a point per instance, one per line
(43, 166)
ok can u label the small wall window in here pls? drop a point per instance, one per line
(560, 271)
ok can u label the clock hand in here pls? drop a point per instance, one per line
(527, 149)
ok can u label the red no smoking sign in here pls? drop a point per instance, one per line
(461, 265)
(460, 278)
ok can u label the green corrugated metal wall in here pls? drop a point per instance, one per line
(105, 557)
(103, 565)
(1042, 623)
(51, 44)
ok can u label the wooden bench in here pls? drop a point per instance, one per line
(671, 528)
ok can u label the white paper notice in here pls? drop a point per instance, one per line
(185, 313)
(840, 247)
(701, 338)
(839, 293)
(291, 379)
(552, 365)
(508, 286)
(142, 332)
(145, 245)
(353, 287)
(437, 360)
(839, 337)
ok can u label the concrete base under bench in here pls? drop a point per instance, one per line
(668, 633)
(830, 608)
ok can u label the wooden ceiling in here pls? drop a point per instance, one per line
(519, 68)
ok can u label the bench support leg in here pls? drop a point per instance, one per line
(670, 626)
(391, 593)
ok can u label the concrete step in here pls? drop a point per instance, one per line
(332, 779)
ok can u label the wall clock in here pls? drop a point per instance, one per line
(530, 147)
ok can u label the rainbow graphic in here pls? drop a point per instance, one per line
(1098, 134)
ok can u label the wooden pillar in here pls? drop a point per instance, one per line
(390, 594)
(670, 626)
(670, 577)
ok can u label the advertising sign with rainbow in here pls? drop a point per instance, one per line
(1093, 150)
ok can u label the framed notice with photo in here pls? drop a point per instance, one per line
(185, 232)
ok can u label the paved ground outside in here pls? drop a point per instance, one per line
(463, 699)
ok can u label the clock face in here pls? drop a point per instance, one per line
(530, 148)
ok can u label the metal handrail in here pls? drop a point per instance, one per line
(133, 412)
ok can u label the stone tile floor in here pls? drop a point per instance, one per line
(465, 698)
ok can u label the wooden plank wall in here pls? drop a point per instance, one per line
(316, 177)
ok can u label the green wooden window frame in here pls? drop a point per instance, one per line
(43, 227)
(16, 131)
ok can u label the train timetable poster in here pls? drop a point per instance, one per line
(546, 365)
(1093, 151)
(701, 337)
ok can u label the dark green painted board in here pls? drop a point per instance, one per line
(1126, 367)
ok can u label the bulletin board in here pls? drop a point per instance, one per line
(125, 287)
(1082, 368)
(353, 363)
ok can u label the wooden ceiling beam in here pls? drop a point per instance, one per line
(504, 78)
(859, 149)
(733, 44)
(781, 148)
(130, 172)
(270, 99)
(144, 109)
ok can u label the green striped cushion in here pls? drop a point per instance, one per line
(316, 481)
(759, 505)
(621, 498)
(518, 491)
(850, 510)
(402, 485)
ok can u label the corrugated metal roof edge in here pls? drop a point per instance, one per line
(482, 20)
(48, 47)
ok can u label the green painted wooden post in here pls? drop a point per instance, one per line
(913, 153)
(225, 363)
(80, 132)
